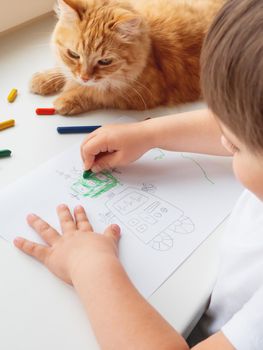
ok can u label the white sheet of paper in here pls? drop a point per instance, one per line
(166, 204)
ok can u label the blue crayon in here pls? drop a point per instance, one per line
(77, 129)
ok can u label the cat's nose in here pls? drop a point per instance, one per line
(85, 77)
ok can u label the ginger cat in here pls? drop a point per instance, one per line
(126, 54)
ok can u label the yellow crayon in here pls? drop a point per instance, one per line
(12, 95)
(7, 124)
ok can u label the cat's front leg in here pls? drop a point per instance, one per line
(74, 101)
(48, 82)
(68, 103)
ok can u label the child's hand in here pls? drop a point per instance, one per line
(115, 145)
(78, 245)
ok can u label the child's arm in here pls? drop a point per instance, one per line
(117, 145)
(120, 317)
(195, 132)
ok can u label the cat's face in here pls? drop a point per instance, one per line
(99, 43)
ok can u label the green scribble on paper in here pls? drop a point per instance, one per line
(95, 185)
(160, 156)
(199, 166)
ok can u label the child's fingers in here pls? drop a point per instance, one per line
(86, 140)
(82, 220)
(106, 161)
(36, 250)
(92, 148)
(88, 159)
(67, 222)
(89, 163)
(114, 232)
(48, 233)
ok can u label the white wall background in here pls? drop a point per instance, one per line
(15, 12)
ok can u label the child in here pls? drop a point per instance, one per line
(232, 76)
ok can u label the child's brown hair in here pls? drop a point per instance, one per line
(232, 70)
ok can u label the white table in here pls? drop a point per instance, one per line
(37, 311)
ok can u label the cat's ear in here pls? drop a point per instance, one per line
(128, 27)
(70, 10)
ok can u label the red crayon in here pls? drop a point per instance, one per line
(45, 111)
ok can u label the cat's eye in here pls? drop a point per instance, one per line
(105, 62)
(73, 54)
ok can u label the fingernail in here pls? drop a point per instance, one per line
(79, 208)
(31, 216)
(18, 240)
(116, 229)
(62, 206)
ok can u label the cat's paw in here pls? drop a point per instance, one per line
(67, 104)
(47, 83)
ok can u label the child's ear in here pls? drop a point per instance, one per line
(128, 27)
(70, 10)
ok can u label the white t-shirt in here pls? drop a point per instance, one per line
(236, 305)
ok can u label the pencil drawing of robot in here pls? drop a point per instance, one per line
(148, 187)
(152, 220)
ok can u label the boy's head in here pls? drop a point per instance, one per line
(232, 83)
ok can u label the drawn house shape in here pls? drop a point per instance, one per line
(150, 218)
(95, 185)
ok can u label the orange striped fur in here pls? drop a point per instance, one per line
(126, 54)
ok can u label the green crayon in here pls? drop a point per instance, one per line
(87, 174)
(5, 153)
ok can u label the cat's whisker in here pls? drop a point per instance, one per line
(124, 96)
(137, 92)
(137, 82)
(120, 90)
(144, 87)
